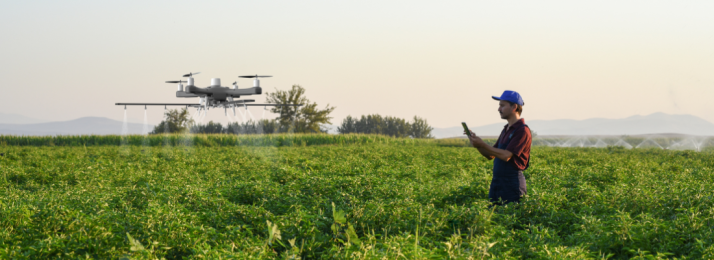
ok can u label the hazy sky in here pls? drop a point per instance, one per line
(441, 60)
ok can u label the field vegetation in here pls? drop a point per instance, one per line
(343, 197)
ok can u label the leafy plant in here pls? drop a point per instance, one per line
(342, 230)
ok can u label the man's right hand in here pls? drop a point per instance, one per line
(475, 140)
(482, 146)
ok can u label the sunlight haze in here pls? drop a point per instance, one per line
(442, 61)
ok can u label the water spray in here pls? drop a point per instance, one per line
(124, 126)
(242, 116)
(250, 114)
(145, 129)
(646, 141)
(694, 143)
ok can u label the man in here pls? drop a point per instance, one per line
(511, 152)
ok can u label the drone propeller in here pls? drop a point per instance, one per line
(176, 81)
(191, 74)
(254, 76)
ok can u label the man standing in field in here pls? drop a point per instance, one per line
(511, 152)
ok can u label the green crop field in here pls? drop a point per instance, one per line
(343, 197)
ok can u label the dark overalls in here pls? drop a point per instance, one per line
(508, 182)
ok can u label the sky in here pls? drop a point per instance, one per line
(439, 60)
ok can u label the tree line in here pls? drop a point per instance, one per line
(387, 125)
(264, 126)
(307, 118)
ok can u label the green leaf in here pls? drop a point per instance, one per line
(338, 215)
(135, 245)
(352, 235)
(335, 229)
(273, 233)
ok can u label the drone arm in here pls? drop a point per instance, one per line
(245, 91)
(196, 90)
(182, 94)
(272, 105)
(157, 104)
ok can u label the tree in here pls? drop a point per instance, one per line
(396, 127)
(420, 129)
(370, 124)
(177, 121)
(347, 126)
(303, 119)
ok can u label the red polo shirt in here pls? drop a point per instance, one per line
(520, 144)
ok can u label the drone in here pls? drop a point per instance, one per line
(213, 96)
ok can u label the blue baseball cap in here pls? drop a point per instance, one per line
(512, 96)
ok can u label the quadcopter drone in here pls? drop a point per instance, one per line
(213, 96)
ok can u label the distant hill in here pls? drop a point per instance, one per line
(80, 126)
(18, 119)
(635, 125)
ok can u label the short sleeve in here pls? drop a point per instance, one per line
(520, 145)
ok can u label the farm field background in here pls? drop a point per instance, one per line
(344, 197)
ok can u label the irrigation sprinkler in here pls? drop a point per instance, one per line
(685, 142)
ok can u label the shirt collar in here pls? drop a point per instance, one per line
(517, 123)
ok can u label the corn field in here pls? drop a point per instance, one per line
(205, 140)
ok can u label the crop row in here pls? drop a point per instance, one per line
(204, 140)
(214, 140)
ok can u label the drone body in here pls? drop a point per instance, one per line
(214, 95)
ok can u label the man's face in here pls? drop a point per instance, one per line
(505, 109)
